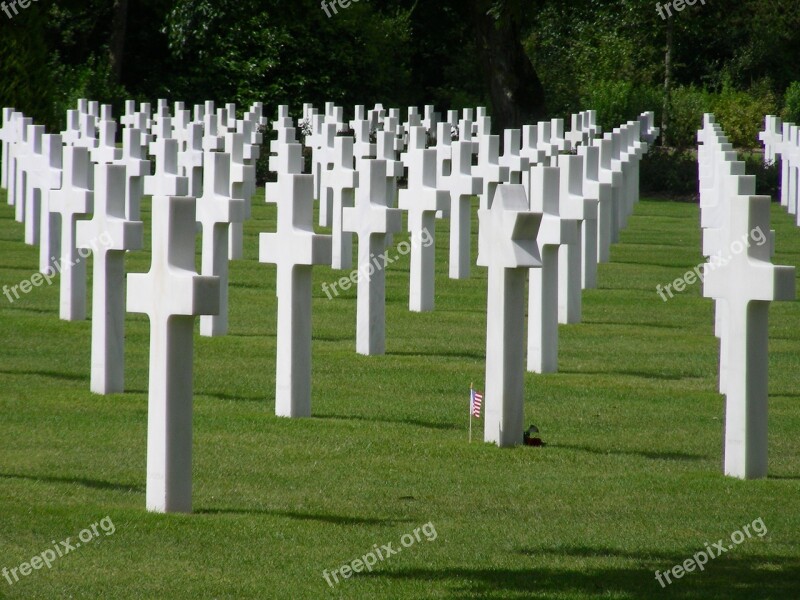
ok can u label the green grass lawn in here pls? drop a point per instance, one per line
(629, 481)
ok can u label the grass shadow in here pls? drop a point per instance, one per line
(290, 514)
(411, 422)
(676, 456)
(51, 374)
(95, 484)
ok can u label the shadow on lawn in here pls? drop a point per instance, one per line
(632, 373)
(438, 353)
(42, 373)
(95, 484)
(412, 422)
(291, 514)
(728, 577)
(683, 456)
(632, 324)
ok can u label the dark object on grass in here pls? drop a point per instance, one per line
(531, 437)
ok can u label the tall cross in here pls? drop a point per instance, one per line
(242, 182)
(136, 169)
(282, 160)
(601, 192)
(341, 182)
(21, 158)
(555, 231)
(747, 282)
(166, 181)
(50, 178)
(7, 138)
(518, 165)
(326, 155)
(74, 199)
(614, 178)
(422, 199)
(171, 294)
(109, 235)
(216, 210)
(371, 219)
(190, 159)
(34, 165)
(509, 251)
(462, 186)
(294, 248)
(73, 132)
(106, 151)
(575, 258)
(489, 170)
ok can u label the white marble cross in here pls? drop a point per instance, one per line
(422, 199)
(136, 168)
(172, 294)
(509, 250)
(72, 133)
(444, 152)
(282, 160)
(294, 248)
(518, 165)
(747, 282)
(166, 180)
(582, 254)
(555, 231)
(190, 159)
(74, 199)
(216, 210)
(489, 170)
(771, 137)
(108, 235)
(340, 183)
(127, 119)
(371, 219)
(50, 178)
(242, 186)
(325, 157)
(88, 132)
(602, 193)
(7, 138)
(462, 186)
(362, 148)
(106, 151)
(530, 147)
(212, 142)
(615, 179)
(22, 150)
(33, 165)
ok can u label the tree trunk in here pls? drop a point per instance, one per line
(515, 90)
(667, 84)
(116, 46)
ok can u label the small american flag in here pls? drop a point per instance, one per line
(476, 399)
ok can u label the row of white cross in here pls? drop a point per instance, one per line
(582, 202)
(740, 277)
(782, 142)
(53, 180)
(358, 177)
